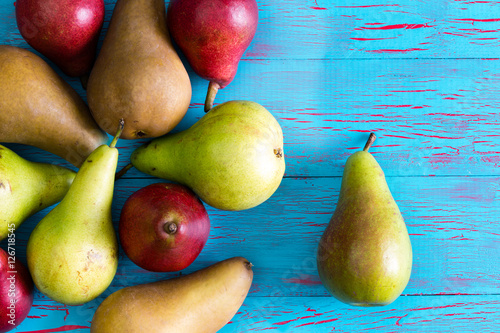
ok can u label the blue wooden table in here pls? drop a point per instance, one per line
(425, 77)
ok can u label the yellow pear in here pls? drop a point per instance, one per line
(203, 301)
(72, 253)
(27, 187)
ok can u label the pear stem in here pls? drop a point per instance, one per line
(118, 133)
(84, 80)
(213, 88)
(370, 141)
(123, 171)
(170, 228)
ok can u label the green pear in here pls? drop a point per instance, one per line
(138, 75)
(72, 253)
(200, 302)
(27, 187)
(38, 108)
(232, 158)
(364, 256)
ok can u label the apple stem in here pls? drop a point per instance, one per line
(123, 171)
(370, 141)
(213, 88)
(118, 133)
(170, 227)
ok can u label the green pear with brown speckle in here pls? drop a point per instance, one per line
(364, 256)
(72, 253)
(232, 158)
(27, 187)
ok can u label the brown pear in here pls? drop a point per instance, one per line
(201, 302)
(38, 108)
(138, 75)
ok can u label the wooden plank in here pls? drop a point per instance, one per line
(457, 313)
(349, 29)
(406, 314)
(452, 222)
(432, 117)
(323, 29)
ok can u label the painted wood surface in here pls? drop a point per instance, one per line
(425, 77)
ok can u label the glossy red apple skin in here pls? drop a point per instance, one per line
(65, 31)
(18, 286)
(163, 227)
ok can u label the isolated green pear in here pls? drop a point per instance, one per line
(27, 187)
(364, 256)
(200, 302)
(232, 158)
(72, 253)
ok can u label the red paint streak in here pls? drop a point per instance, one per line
(368, 6)
(397, 321)
(397, 136)
(53, 308)
(326, 321)
(412, 91)
(396, 51)
(439, 307)
(479, 20)
(396, 26)
(317, 7)
(390, 106)
(64, 328)
(439, 137)
(269, 328)
(363, 39)
(285, 322)
(304, 279)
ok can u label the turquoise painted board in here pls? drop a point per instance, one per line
(424, 76)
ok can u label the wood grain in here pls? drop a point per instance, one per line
(432, 117)
(314, 314)
(354, 29)
(424, 77)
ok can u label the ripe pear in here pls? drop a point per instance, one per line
(38, 108)
(27, 187)
(16, 289)
(364, 256)
(65, 31)
(73, 251)
(163, 227)
(213, 35)
(232, 158)
(138, 75)
(203, 301)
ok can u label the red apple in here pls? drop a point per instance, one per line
(16, 290)
(163, 227)
(65, 31)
